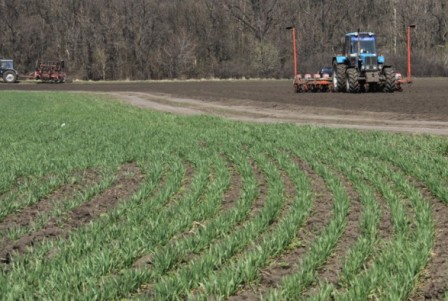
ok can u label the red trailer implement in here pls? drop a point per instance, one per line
(49, 71)
(319, 82)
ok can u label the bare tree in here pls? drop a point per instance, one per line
(141, 39)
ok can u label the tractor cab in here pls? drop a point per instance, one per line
(360, 50)
(366, 41)
(7, 71)
(6, 64)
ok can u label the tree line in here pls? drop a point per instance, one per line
(152, 39)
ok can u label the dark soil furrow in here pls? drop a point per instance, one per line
(434, 279)
(290, 193)
(330, 272)
(263, 190)
(127, 182)
(289, 196)
(386, 227)
(288, 262)
(185, 186)
(22, 188)
(232, 195)
(27, 215)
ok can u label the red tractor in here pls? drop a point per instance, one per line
(49, 71)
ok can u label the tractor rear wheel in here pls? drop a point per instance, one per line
(352, 81)
(390, 84)
(10, 76)
(339, 77)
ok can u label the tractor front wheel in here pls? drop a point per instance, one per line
(10, 77)
(352, 83)
(390, 84)
(339, 77)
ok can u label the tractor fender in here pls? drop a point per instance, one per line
(380, 59)
(339, 59)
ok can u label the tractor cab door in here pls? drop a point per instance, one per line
(348, 46)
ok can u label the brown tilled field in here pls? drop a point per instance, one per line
(421, 108)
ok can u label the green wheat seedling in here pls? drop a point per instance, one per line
(180, 282)
(169, 256)
(175, 220)
(245, 268)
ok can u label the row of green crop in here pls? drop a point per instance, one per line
(365, 171)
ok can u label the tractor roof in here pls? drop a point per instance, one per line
(363, 33)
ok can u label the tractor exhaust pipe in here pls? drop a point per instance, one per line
(359, 44)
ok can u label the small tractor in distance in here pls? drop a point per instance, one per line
(361, 68)
(7, 71)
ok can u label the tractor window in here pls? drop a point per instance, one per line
(367, 45)
(7, 65)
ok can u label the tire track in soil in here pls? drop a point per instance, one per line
(331, 270)
(434, 279)
(275, 112)
(288, 262)
(122, 188)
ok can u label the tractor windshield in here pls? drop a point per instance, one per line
(6, 64)
(367, 44)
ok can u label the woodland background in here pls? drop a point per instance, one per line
(154, 39)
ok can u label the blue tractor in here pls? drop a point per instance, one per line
(361, 68)
(7, 71)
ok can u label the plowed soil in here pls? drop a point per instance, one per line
(421, 108)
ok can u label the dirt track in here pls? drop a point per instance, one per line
(421, 108)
